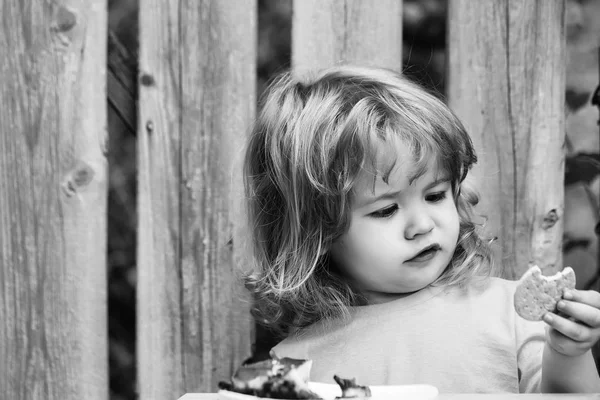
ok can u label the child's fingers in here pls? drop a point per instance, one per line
(565, 345)
(582, 312)
(589, 297)
(571, 329)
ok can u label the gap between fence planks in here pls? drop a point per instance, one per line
(121, 83)
(53, 190)
(196, 101)
(507, 83)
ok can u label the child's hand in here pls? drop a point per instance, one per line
(578, 329)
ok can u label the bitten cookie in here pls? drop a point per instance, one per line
(537, 294)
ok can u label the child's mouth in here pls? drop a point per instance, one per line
(426, 254)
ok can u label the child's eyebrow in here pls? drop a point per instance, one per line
(438, 181)
(384, 196)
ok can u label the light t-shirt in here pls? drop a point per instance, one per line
(461, 341)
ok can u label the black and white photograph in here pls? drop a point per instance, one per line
(299, 199)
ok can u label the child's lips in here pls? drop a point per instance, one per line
(425, 255)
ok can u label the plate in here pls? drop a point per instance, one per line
(329, 391)
(405, 392)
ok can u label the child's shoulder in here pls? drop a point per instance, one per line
(297, 344)
(492, 288)
(502, 284)
(490, 299)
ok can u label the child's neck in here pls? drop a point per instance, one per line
(383, 297)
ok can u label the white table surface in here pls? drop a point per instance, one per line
(215, 396)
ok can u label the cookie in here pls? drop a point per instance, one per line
(537, 294)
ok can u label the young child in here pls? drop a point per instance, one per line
(366, 253)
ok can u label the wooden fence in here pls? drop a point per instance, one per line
(196, 99)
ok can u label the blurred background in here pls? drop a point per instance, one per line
(424, 38)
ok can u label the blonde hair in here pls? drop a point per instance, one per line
(310, 142)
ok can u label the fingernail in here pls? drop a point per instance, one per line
(568, 295)
(561, 304)
(548, 318)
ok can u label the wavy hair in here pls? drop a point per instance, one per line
(312, 138)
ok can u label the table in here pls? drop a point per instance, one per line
(214, 396)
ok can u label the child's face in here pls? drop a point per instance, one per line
(391, 226)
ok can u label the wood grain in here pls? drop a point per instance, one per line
(331, 32)
(53, 191)
(507, 83)
(197, 98)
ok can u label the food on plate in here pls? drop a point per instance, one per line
(537, 294)
(284, 378)
(350, 390)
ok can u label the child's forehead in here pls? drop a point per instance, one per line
(396, 160)
(402, 175)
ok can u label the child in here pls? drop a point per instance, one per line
(366, 254)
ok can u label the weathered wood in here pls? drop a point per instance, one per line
(53, 190)
(507, 83)
(197, 99)
(331, 32)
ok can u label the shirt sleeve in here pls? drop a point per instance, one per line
(530, 338)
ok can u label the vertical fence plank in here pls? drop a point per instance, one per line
(159, 286)
(218, 75)
(197, 98)
(53, 174)
(329, 32)
(507, 83)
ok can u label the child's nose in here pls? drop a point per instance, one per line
(419, 223)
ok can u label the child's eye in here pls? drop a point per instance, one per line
(385, 212)
(436, 197)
